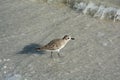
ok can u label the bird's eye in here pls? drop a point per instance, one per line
(68, 38)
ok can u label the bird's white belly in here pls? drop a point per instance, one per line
(57, 50)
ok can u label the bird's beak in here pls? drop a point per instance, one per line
(72, 38)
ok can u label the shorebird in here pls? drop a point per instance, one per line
(56, 45)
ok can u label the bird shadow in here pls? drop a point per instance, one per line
(31, 49)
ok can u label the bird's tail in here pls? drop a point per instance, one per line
(39, 48)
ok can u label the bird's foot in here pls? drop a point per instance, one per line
(60, 56)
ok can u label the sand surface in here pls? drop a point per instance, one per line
(25, 25)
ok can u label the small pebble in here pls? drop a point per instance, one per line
(4, 59)
(100, 34)
(5, 72)
(0, 60)
(5, 67)
(105, 44)
(7, 59)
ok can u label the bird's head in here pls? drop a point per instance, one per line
(67, 37)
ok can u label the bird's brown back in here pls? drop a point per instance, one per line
(54, 44)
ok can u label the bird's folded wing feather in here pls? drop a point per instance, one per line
(54, 44)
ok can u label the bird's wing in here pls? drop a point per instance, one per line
(52, 45)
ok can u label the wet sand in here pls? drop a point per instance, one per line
(25, 25)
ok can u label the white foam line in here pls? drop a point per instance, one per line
(97, 11)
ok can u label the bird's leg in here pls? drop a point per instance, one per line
(59, 54)
(51, 54)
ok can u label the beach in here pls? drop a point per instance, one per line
(28, 24)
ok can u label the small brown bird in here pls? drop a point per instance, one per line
(56, 45)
